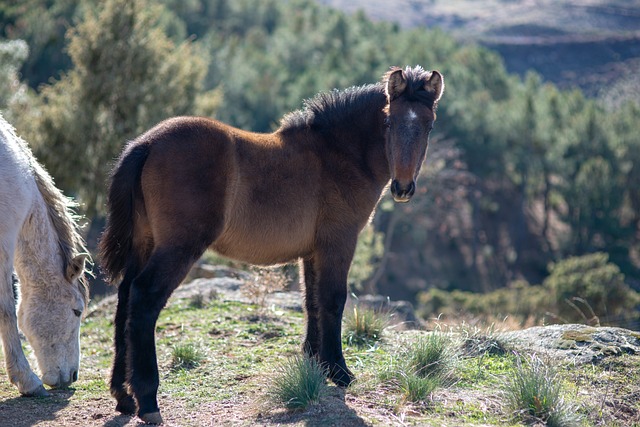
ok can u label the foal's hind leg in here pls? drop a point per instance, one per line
(149, 293)
(125, 404)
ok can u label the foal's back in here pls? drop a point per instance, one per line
(254, 197)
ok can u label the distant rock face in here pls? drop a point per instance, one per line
(576, 343)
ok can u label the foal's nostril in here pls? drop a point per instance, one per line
(74, 376)
(411, 189)
(395, 187)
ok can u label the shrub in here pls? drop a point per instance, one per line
(590, 289)
(265, 281)
(586, 289)
(526, 304)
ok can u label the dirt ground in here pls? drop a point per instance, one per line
(63, 409)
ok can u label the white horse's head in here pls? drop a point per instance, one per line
(50, 319)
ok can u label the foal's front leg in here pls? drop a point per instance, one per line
(311, 345)
(332, 267)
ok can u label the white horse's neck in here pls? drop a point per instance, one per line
(38, 257)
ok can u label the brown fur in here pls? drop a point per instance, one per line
(302, 192)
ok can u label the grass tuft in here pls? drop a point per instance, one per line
(363, 327)
(197, 301)
(431, 356)
(186, 356)
(423, 366)
(535, 393)
(416, 388)
(477, 343)
(300, 382)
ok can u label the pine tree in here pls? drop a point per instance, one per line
(127, 75)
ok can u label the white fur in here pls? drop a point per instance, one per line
(411, 115)
(49, 295)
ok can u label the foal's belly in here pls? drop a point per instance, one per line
(266, 238)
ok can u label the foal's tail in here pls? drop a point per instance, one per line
(116, 244)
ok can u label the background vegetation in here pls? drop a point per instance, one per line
(521, 175)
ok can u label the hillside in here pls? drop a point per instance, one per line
(592, 44)
(242, 345)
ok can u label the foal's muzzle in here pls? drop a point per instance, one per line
(402, 193)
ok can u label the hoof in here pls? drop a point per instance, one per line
(126, 405)
(342, 377)
(38, 392)
(151, 418)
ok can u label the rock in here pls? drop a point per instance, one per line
(578, 343)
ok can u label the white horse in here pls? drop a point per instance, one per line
(40, 239)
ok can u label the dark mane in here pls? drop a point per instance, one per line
(328, 108)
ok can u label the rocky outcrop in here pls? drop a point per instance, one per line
(576, 343)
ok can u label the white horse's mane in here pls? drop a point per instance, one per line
(60, 209)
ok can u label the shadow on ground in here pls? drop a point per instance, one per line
(29, 411)
(332, 411)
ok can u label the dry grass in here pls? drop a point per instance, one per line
(265, 281)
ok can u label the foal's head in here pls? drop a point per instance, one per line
(412, 97)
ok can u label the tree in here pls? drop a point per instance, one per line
(13, 53)
(42, 24)
(127, 75)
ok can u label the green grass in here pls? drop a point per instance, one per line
(186, 356)
(487, 370)
(416, 388)
(363, 327)
(299, 382)
(534, 393)
(431, 356)
(422, 366)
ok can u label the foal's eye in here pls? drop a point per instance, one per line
(78, 313)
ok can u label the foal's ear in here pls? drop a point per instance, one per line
(396, 84)
(435, 85)
(76, 267)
